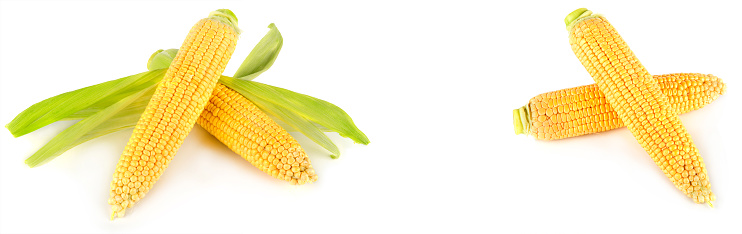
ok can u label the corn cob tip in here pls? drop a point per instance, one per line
(249, 132)
(118, 210)
(711, 197)
(575, 16)
(227, 17)
(521, 122)
(723, 85)
(115, 215)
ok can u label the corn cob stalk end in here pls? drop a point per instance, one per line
(225, 16)
(516, 122)
(521, 121)
(575, 16)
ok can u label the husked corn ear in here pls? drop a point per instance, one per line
(171, 113)
(249, 132)
(584, 110)
(638, 100)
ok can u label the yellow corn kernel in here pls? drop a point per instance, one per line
(685, 91)
(638, 100)
(173, 109)
(240, 125)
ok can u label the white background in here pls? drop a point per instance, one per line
(432, 84)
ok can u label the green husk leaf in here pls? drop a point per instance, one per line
(78, 103)
(58, 107)
(146, 81)
(313, 109)
(103, 122)
(262, 55)
(293, 119)
(126, 118)
(302, 125)
(119, 111)
(161, 59)
(292, 129)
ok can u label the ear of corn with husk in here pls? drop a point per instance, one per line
(110, 92)
(163, 104)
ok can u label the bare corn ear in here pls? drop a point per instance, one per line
(176, 104)
(583, 110)
(638, 100)
(249, 132)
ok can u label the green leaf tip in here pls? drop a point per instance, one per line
(262, 56)
(225, 16)
(575, 16)
(7, 126)
(67, 104)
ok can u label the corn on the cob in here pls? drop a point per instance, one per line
(240, 125)
(174, 108)
(584, 110)
(638, 100)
